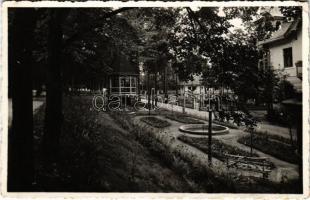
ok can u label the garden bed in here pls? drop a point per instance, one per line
(219, 149)
(277, 149)
(278, 138)
(155, 122)
(183, 119)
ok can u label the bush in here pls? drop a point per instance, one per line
(277, 117)
(155, 122)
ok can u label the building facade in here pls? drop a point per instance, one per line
(194, 86)
(283, 52)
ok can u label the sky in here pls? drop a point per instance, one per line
(237, 22)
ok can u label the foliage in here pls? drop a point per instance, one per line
(156, 122)
(268, 81)
(86, 35)
(193, 38)
(284, 90)
(231, 63)
(292, 11)
(280, 116)
(238, 118)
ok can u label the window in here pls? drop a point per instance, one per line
(127, 85)
(287, 57)
(133, 82)
(125, 81)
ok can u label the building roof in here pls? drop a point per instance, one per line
(285, 31)
(271, 17)
(122, 65)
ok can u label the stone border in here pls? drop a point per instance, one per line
(184, 128)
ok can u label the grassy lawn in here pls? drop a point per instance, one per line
(277, 138)
(273, 145)
(183, 119)
(97, 156)
(155, 122)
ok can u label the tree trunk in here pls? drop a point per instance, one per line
(176, 85)
(20, 151)
(53, 112)
(165, 85)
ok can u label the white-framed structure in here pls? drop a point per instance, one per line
(124, 79)
(283, 52)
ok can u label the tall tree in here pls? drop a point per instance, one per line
(20, 157)
(53, 112)
(60, 40)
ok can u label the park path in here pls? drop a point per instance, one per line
(282, 170)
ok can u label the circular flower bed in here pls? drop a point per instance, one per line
(202, 129)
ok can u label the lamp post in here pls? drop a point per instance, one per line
(148, 92)
(210, 132)
(251, 129)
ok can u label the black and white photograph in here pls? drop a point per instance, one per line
(155, 99)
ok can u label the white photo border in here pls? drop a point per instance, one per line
(93, 4)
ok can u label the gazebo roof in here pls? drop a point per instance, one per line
(122, 65)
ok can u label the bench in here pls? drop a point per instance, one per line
(259, 165)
